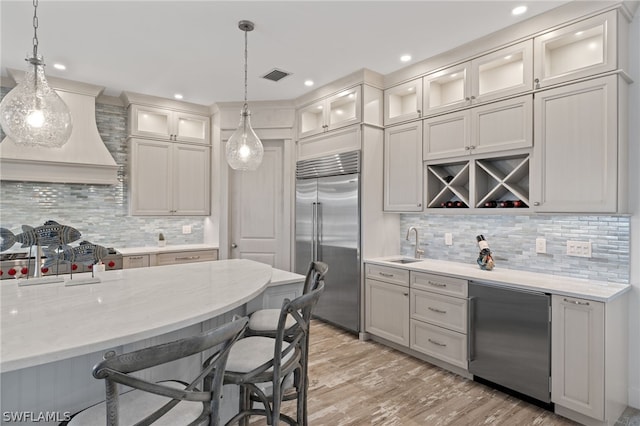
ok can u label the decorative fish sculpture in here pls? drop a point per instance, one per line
(50, 234)
(86, 253)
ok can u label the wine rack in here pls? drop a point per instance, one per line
(448, 185)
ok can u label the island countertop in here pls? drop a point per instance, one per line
(49, 322)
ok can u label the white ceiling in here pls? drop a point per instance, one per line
(195, 48)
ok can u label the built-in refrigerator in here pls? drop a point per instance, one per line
(328, 230)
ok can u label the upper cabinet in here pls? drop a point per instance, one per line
(579, 50)
(502, 73)
(339, 110)
(167, 124)
(403, 102)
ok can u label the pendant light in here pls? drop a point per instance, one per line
(33, 114)
(244, 150)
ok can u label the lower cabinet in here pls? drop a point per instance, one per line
(438, 312)
(387, 303)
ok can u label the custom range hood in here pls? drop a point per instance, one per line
(83, 159)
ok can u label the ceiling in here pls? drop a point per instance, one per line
(196, 49)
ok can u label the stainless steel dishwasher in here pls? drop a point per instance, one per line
(510, 338)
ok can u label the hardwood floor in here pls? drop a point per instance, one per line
(365, 383)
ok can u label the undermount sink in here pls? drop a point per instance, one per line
(405, 260)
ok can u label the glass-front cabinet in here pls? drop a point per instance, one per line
(447, 89)
(339, 110)
(579, 50)
(403, 102)
(166, 124)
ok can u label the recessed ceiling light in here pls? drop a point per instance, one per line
(454, 75)
(59, 66)
(508, 57)
(308, 83)
(405, 58)
(178, 96)
(519, 10)
(579, 33)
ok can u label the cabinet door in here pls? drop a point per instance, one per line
(150, 122)
(403, 102)
(577, 359)
(151, 177)
(502, 125)
(191, 179)
(403, 168)
(191, 128)
(505, 72)
(447, 136)
(311, 119)
(579, 50)
(575, 149)
(387, 311)
(344, 108)
(447, 89)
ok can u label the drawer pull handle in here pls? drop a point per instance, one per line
(135, 257)
(440, 311)
(435, 342)
(188, 258)
(384, 274)
(435, 284)
(576, 302)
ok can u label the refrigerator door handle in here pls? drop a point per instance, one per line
(318, 230)
(314, 207)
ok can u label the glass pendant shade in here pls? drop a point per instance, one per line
(33, 114)
(244, 150)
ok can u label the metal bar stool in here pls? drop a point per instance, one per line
(167, 402)
(265, 367)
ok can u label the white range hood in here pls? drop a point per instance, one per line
(83, 159)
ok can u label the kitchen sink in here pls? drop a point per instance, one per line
(405, 260)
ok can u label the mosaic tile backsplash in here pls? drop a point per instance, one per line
(99, 212)
(512, 241)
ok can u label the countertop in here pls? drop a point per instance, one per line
(565, 286)
(49, 322)
(132, 251)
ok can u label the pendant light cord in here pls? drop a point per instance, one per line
(246, 56)
(35, 28)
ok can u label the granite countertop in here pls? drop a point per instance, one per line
(50, 322)
(131, 251)
(573, 287)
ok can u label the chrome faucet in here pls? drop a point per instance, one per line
(419, 251)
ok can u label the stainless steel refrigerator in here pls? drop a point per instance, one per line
(328, 230)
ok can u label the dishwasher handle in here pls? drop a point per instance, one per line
(471, 330)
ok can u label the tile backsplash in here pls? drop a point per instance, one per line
(99, 212)
(513, 242)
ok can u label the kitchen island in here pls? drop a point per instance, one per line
(52, 334)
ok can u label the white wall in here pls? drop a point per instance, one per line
(634, 203)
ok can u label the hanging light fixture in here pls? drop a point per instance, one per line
(244, 150)
(33, 114)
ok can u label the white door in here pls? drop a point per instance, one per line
(257, 213)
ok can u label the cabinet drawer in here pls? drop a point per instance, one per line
(444, 311)
(173, 258)
(387, 274)
(439, 343)
(135, 261)
(439, 284)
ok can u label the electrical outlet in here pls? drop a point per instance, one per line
(448, 238)
(186, 229)
(579, 248)
(541, 245)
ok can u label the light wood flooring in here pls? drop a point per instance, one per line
(365, 383)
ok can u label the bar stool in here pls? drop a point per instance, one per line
(265, 367)
(264, 322)
(168, 402)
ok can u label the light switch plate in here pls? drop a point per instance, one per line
(448, 238)
(186, 229)
(579, 248)
(541, 245)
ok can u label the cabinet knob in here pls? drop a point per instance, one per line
(537, 82)
(473, 97)
(419, 204)
(467, 148)
(536, 203)
(234, 245)
(419, 113)
(472, 147)
(467, 98)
